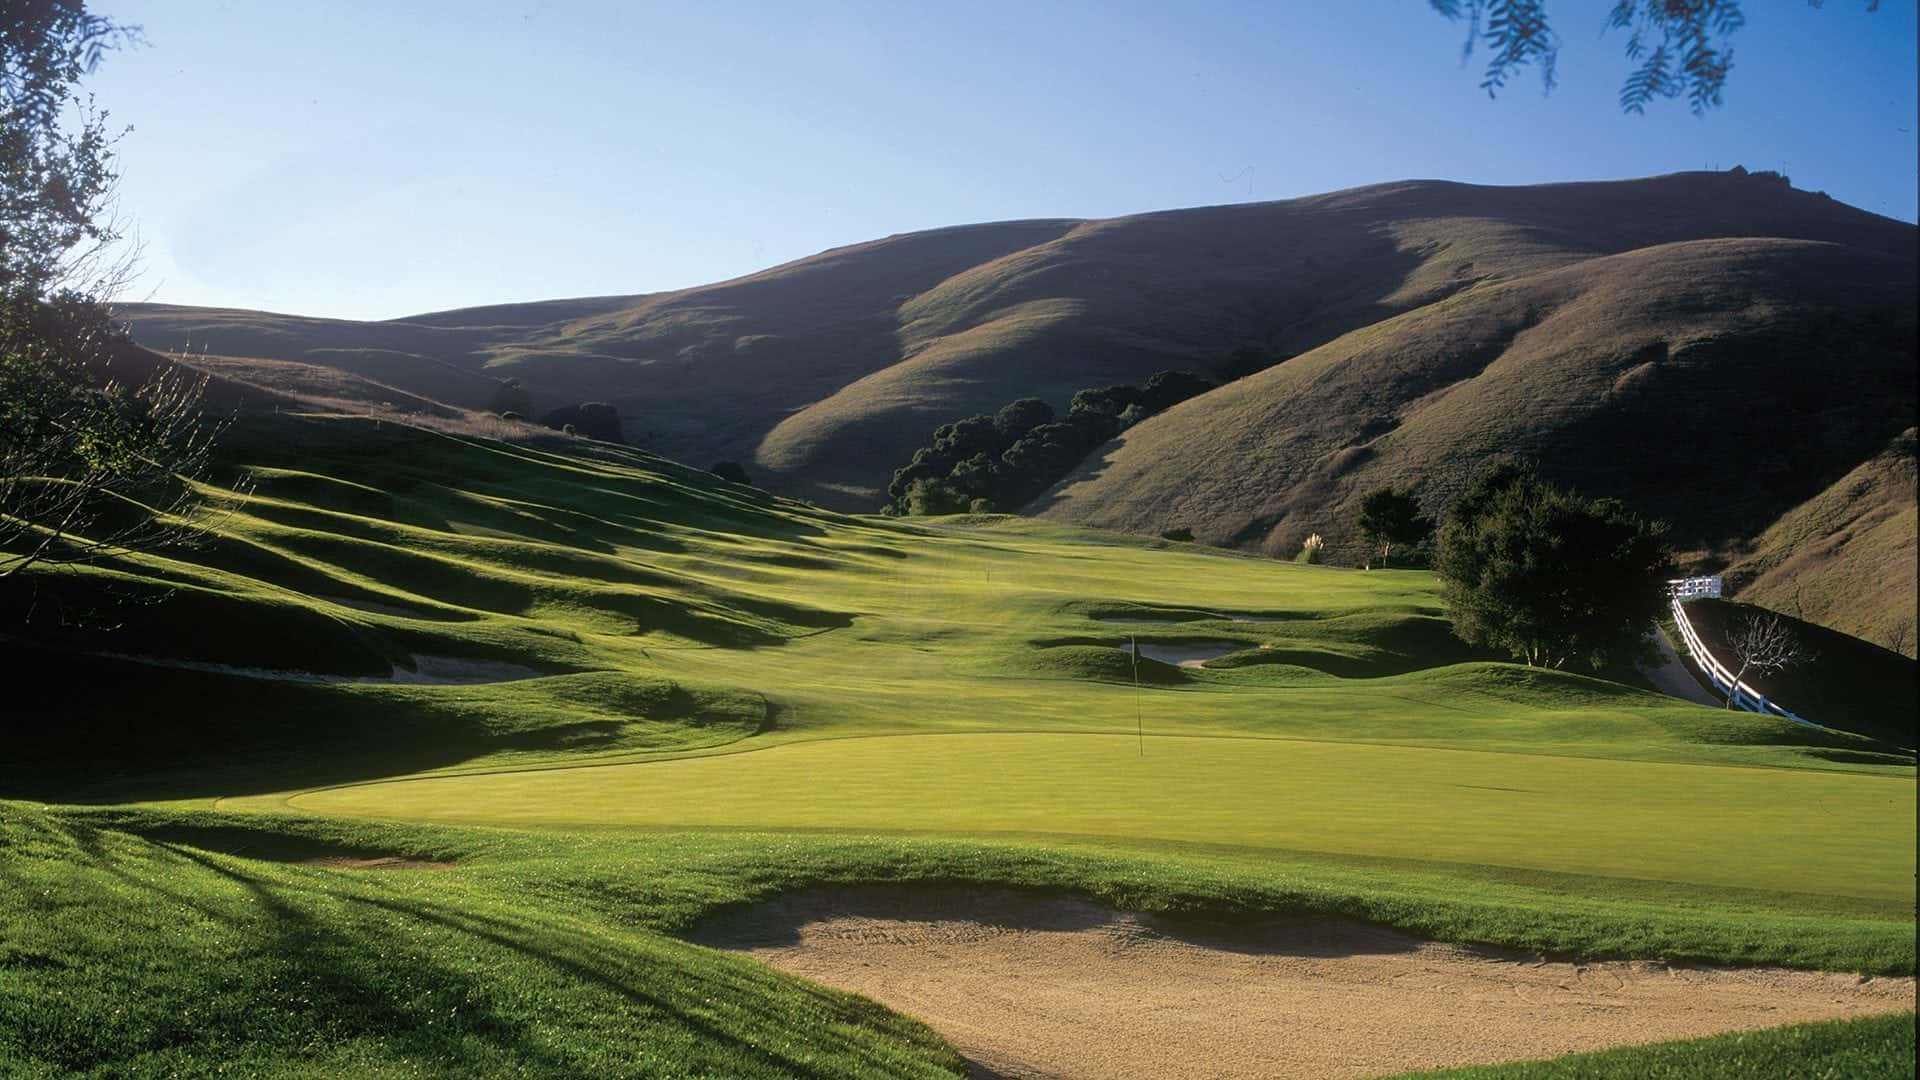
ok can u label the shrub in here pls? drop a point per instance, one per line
(1165, 389)
(1183, 534)
(594, 419)
(1310, 551)
(929, 497)
(1243, 361)
(981, 506)
(732, 472)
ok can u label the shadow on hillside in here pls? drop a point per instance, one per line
(118, 731)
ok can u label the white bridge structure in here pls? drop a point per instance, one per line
(1723, 680)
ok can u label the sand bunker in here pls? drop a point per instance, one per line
(1028, 985)
(1187, 653)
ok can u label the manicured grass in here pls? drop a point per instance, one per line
(1749, 828)
(719, 695)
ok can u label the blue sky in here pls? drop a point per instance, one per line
(381, 159)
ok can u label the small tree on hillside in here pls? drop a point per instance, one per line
(1551, 576)
(1391, 518)
(1765, 645)
(732, 472)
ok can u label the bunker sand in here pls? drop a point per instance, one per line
(1027, 985)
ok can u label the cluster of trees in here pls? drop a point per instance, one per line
(983, 463)
(1541, 572)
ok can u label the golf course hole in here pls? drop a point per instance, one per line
(1028, 984)
(1188, 654)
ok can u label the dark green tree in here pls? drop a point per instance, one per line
(1244, 360)
(732, 472)
(1548, 575)
(1104, 400)
(1165, 389)
(1680, 47)
(928, 497)
(1016, 418)
(1390, 518)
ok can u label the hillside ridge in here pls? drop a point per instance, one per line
(1442, 322)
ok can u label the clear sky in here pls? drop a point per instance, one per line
(371, 160)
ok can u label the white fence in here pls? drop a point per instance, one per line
(1687, 588)
(1744, 696)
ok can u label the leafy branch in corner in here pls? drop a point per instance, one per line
(1680, 47)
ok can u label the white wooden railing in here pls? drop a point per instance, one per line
(1744, 696)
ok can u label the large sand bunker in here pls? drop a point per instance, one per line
(1030, 985)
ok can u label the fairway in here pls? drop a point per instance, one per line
(1728, 826)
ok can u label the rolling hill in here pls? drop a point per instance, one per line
(1718, 348)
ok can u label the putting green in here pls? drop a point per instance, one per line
(1804, 831)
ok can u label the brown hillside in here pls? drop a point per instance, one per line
(1846, 558)
(1712, 383)
(827, 372)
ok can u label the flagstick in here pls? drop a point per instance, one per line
(1139, 723)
